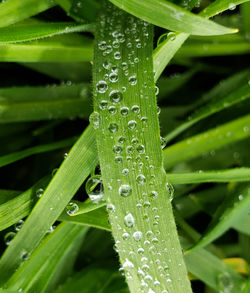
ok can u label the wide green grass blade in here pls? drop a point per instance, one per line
(216, 138)
(44, 103)
(172, 17)
(15, 209)
(34, 31)
(36, 272)
(69, 71)
(57, 49)
(232, 210)
(92, 279)
(16, 156)
(12, 11)
(76, 167)
(96, 218)
(6, 194)
(212, 271)
(240, 94)
(147, 181)
(230, 175)
(167, 49)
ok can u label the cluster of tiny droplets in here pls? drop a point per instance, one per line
(132, 161)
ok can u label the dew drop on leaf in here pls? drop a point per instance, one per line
(101, 86)
(72, 208)
(9, 237)
(129, 220)
(125, 190)
(115, 96)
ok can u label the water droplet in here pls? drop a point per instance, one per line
(117, 55)
(153, 194)
(9, 237)
(130, 149)
(140, 250)
(112, 110)
(144, 119)
(128, 264)
(129, 220)
(72, 208)
(115, 96)
(225, 284)
(101, 86)
(125, 172)
(39, 192)
(171, 36)
(135, 109)
(163, 142)
(113, 127)
(156, 90)
(102, 45)
(141, 179)
(125, 190)
(132, 124)
(110, 208)
(132, 80)
(103, 104)
(231, 6)
(137, 235)
(118, 159)
(95, 120)
(65, 155)
(113, 77)
(117, 149)
(94, 189)
(125, 236)
(121, 139)
(19, 225)
(25, 256)
(141, 149)
(124, 111)
(170, 189)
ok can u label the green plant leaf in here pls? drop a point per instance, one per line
(18, 103)
(12, 11)
(15, 209)
(56, 50)
(216, 105)
(229, 212)
(138, 101)
(34, 31)
(76, 167)
(172, 17)
(13, 157)
(35, 273)
(230, 175)
(218, 137)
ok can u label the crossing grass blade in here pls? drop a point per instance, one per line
(231, 210)
(168, 48)
(34, 31)
(12, 11)
(44, 103)
(13, 157)
(36, 272)
(237, 96)
(216, 138)
(58, 49)
(230, 175)
(172, 17)
(76, 167)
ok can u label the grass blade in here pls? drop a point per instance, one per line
(76, 167)
(35, 31)
(240, 94)
(20, 206)
(112, 150)
(195, 146)
(231, 175)
(231, 210)
(44, 103)
(36, 272)
(13, 157)
(172, 17)
(58, 50)
(12, 11)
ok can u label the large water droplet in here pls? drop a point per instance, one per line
(95, 120)
(115, 96)
(39, 192)
(132, 124)
(124, 111)
(141, 179)
(72, 208)
(9, 237)
(101, 86)
(113, 127)
(137, 235)
(19, 225)
(94, 189)
(129, 220)
(125, 190)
